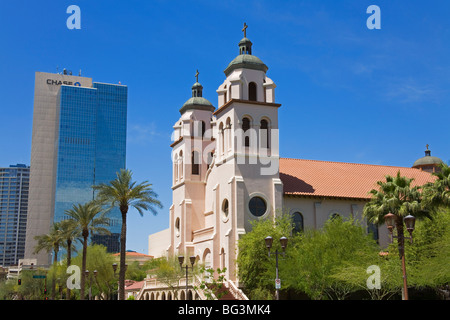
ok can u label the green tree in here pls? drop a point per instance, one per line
(429, 257)
(49, 242)
(437, 194)
(98, 259)
(320, 254)
(212, 286)
(255, 269)
(123, 192)
(398, 197)
(168, 271)
(69, 233)
(90, 219)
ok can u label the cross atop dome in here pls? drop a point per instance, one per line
(245, 45)
(245, 30)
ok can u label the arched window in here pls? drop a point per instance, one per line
(264, 133)
(335, 216)
(245, 128)
(221, 142)
(180, 170)
(225, 208)
(203, 129)
(252, 91)
(210, 158)
(228, 127)
(177, 226)
(195, 163)
(175, 168)
(297, 220)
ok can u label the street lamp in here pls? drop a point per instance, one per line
(180, 261)
(283, 242)
(394, 222)
(114, 266)
(90, 281)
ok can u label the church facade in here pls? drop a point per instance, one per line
(227, 172)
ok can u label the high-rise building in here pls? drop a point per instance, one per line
(14, 183)
(79, 140)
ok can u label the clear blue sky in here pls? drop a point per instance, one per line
(348, 93)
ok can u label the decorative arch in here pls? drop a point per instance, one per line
(181, 165)
(175, 168)
(264, 133)
(229, 134)
(252, 92)
(222, 138)
(246, 125)
(298, 222)
(195, 163)
(207, 258)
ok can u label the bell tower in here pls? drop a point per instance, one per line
(192, 140)
(245, 175)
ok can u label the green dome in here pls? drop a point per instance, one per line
(198, 103)
(247, 61)
(427, 161)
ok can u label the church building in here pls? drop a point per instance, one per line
(227, 172)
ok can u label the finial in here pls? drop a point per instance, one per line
(196, 76)
(245, 30)
(427, 152)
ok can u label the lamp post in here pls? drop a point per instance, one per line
(180, 261)
(114, 266)
(283, 241)
(395, 222)
(90, 281)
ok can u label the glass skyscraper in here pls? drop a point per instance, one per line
(89, 148)
(14, 184)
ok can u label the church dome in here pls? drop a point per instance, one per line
(197, 101)
(245, 59)
(427, 162)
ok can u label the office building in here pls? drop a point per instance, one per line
(14, 183)
(79, 140)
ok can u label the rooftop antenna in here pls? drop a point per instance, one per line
(79, 73)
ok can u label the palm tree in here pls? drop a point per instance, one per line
(48, 242)
(90, 219)
(124, 193)
(69, 233)
(437, 194)
(396, 197)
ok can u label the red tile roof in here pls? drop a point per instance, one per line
(135, 286)
(339, 179)
(133, 254)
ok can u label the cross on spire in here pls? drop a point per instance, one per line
(245, 30)
(196, 76)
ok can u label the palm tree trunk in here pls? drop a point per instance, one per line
(401, 250)
(83, 267)
(55, 262)
(69, 262)
(123, 236)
